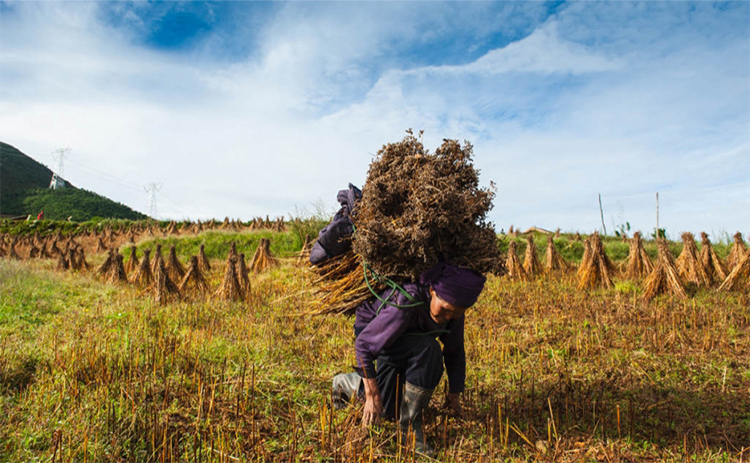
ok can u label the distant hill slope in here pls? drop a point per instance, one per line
(24, 189)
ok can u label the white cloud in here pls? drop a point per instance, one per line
(575, 108)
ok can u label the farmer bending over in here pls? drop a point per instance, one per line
(400, 334)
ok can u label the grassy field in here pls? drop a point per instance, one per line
(98, 372)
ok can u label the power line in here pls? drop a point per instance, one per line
(105, 176)
(691, 190)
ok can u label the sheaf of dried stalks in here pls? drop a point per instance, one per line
(174, 268)
(164, 287)
(203, 263)
(531, 264)
(554, 262)
(711, 263)
(340, 286)
(737, 253)
(116, 272)
(639, 265)
(194, 280)
(143, 276)
(665, 277)
(133, 261)
(417, 207)
(263, 259)
(230, 289)
(596, 269)
(513, 263)
(689, 264)
(739, 278)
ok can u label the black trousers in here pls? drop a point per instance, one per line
(413, 358)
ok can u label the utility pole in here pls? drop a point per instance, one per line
(152, 188)
(657, 215)
(59, 156)
(601, 212)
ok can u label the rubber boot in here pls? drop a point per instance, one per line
(414, 402)
(345, 387)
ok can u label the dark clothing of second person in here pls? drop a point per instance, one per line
(403, 342)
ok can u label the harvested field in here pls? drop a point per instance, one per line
(95, 371)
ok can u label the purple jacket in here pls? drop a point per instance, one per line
(380, 330)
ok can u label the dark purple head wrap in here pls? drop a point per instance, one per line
(456, 285)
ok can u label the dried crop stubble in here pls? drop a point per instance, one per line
(417, 207)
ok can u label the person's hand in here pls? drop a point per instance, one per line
(373, 410)
(453, 403)
(373, 403)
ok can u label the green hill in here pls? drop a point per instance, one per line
(24, 190)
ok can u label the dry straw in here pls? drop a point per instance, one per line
(203, 263)
(164, 287)
(263, 259)
(194, 281)
(62, 262)
(304, 254)
(531, 264)
(513, 263)
(596, 269)
(418, 207)
(157, 257)
(665, 278)
(73, 261)
(143, 276)
(33, 252)
(737, 253)
(117, 270)
(81, 258)
(340, 286)
(739, 277)
(711, 262)
(104, 269)
(100, 246)
(230, 289)
(242, 272)
(639, 264)
(554, 262)
(174, 268)
(688, 263)
(133, 261)
(53, 249)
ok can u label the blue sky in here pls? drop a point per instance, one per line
(243, 109)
